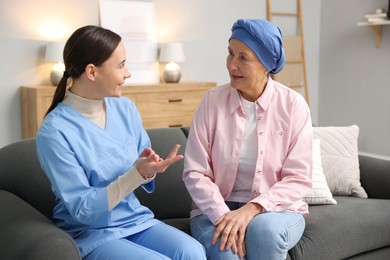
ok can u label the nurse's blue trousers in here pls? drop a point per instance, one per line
(160, 241)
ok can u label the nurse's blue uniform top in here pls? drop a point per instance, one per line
(81, 160)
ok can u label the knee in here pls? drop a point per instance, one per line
(190, 250)
(213, 251)
(263, 235)
(266, 241)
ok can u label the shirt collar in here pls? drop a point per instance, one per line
(263, 101)
(234, 100)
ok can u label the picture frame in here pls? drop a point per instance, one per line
(134, 21)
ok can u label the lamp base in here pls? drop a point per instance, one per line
(172, 76)
(55, 77)
(56, 73)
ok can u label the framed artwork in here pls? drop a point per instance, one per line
(134, 21)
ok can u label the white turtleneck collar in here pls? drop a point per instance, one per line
(92, 109)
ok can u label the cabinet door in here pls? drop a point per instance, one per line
(34, 105)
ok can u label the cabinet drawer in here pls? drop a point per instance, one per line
(168, 104)
(167, 122)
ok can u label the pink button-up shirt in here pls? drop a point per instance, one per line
(284, 158)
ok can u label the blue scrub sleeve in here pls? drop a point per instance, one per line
(86, 204)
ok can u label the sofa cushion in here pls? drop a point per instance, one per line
(379, 254)
(353, 226)
(339, 152)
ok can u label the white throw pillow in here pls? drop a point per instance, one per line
(340, 159)
(319, 193)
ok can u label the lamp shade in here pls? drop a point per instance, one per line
(54, 51)
(172, 52)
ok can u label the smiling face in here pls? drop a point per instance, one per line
(247, 74)
(111, 75)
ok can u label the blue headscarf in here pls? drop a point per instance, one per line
(264, 39)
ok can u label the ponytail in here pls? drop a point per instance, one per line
(60, 92)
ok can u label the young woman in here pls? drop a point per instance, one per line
(95, 152)
(248, 160)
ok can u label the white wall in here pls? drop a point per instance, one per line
(354, 74)
(202, 25)
(25, 28)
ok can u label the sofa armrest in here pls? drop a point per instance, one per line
(25, 233)
(375, 176)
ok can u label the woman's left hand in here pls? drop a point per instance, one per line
(232, 227)
(149, 163)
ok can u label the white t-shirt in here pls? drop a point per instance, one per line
(246, 169)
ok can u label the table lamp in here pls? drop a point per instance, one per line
(171, 53)
(53, 53)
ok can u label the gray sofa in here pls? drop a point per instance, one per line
(353, 229)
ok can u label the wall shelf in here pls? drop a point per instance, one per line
(377, 29)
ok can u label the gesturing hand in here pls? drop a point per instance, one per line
(232, 227)
(149, 163)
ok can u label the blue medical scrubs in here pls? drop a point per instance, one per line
(81, 159)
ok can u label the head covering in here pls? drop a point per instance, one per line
(264, 39)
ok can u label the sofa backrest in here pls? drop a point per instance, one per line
(22, 175)
(375, 176)
(170, 198)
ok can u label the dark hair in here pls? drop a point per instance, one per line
(87, 45)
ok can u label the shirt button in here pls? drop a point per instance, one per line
(258, 171)
(261, 133)
(261, 152)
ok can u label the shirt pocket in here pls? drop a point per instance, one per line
(277, 148)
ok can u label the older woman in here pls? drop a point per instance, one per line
(248, 160)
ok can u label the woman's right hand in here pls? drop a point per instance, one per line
(149, 163)
(231, 228)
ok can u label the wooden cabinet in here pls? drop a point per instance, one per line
(160, 105)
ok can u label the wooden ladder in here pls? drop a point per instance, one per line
(293, 74)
